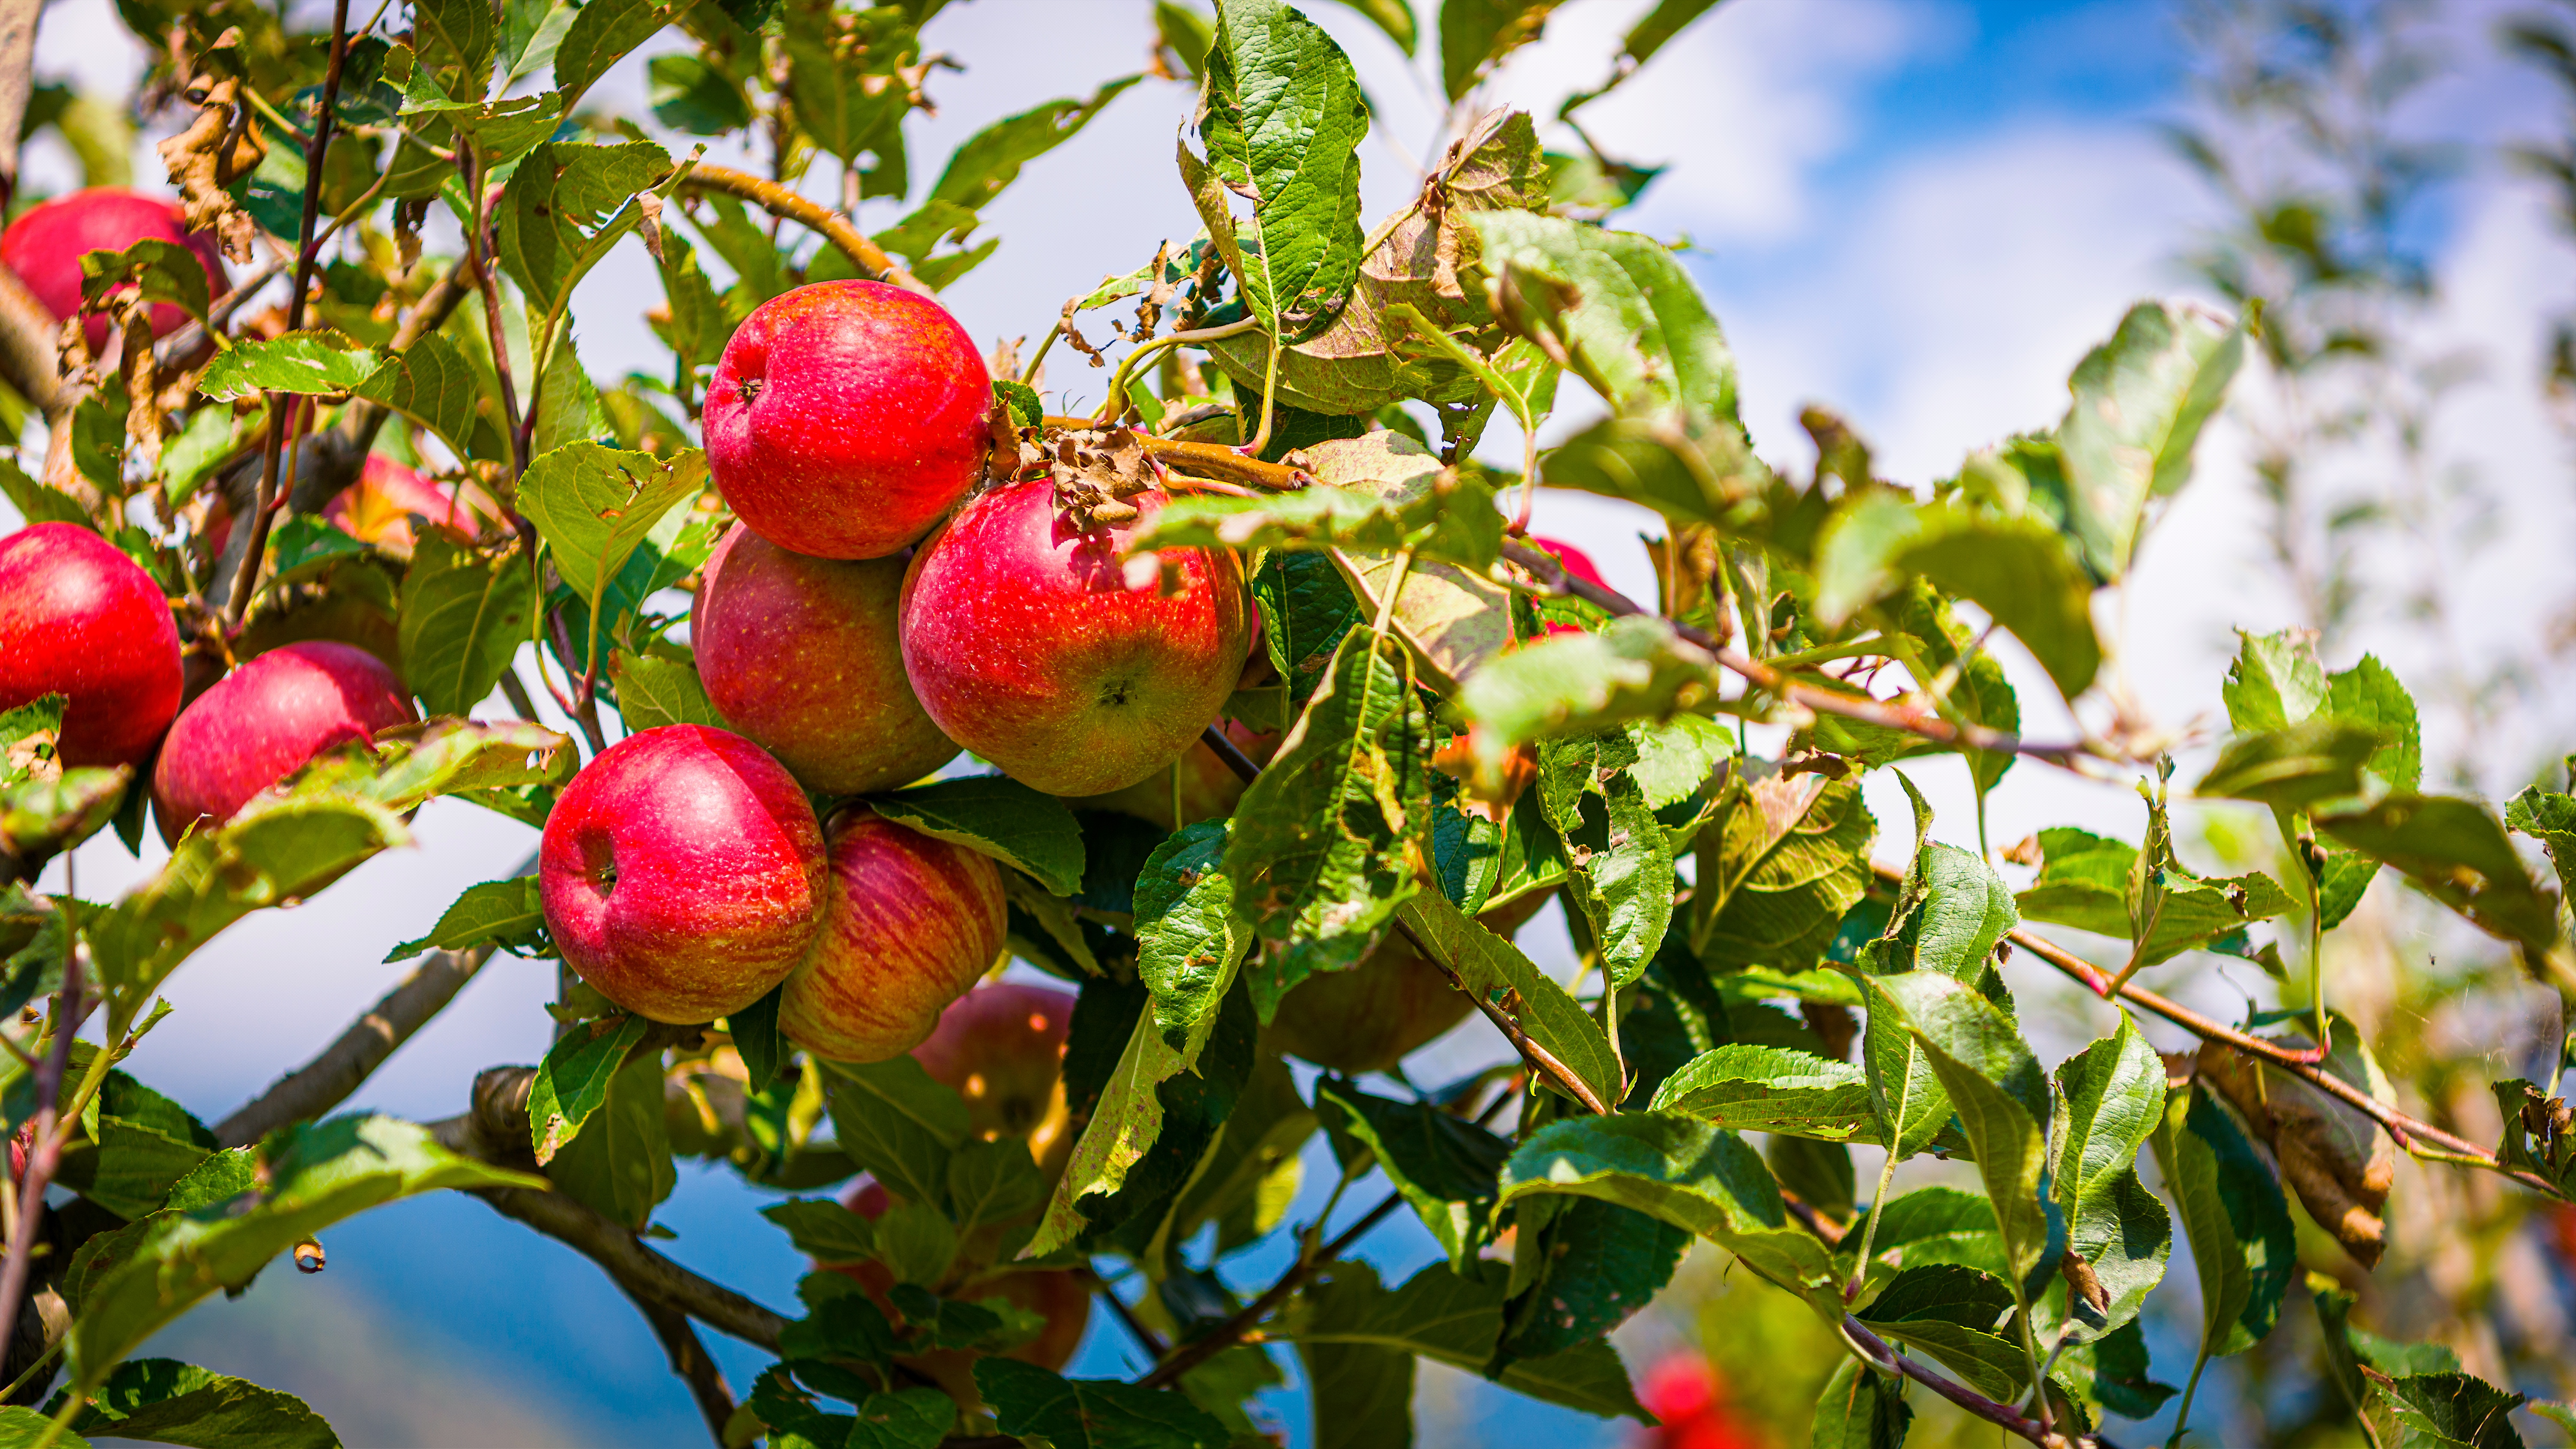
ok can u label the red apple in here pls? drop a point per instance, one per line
(683, 873)
(802, 655)
(80, 619)
(378, 507)
(258, 723)
(44, 247)
(1210, 789)
(910, 923)
(1578, 563)
(1049, 652)
(1001, 1047)
(1059, 1295)
(1387, 1007)
(846, 417)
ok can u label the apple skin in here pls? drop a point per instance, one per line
(44, 248)
(1578, 563)
(80, 619)
(909, 924)
(258, 723)
(1209, 790)
(1001, 1047)
(683, 873)
(1059, 1295)
(1028, 644)
(802, 655)
(845, 418)
(1387, 1007)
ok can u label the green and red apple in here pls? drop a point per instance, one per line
(909, 922)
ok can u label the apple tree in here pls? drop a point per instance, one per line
(1246, 707)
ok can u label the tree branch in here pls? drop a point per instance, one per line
(1876, 1350)
(17, 83)
(323, 1083)
(1229, 1333)
(690, 1360)
(780, 201)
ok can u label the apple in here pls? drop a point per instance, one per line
(1576, 562)
(841, 716)
(1059, 1295)
(845, 418)
(80, 619)
(1046, 650)
(1210, 789)
(1387, 1007)
(260, 722)
(683, 873)
(909, 924)
(1001, 1048)
(44, 247)
(378, 507)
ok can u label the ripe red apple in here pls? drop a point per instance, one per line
(1387, 1007)
(910, 923)
(80, 619)
(802, 655)
(1059, 1295)
(1210, 789)
(683, 873)
(1001, 1047)
(44, 248)
(1578, 563)
(1049, 652)
(378, 507)
(258, 723)
(846, 417)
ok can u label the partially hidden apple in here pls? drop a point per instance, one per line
(44, 247)
(1001, 1048)
(258, 723)
(1386, 1008)
(378, 508)
(1209, 788)
(1045, 649)
(845, 418)
(910, 922)
(683, 873)
(802, 655)
(80, 619)
(1578, 563)
(1058, 1295)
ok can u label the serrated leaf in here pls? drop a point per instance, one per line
(994, 1182)
(1859, 1409)
(1621, 311)
(1958, 1315)
(319, 361)
(594, 505)
(653, 691)
(2455, 851)
(1460, 525)
(317, 1175)
(620, 1162)
(1306, 607)
(165, 1401)
(504, 913)
(2019, 570)
(1445, 1167)
(158, 270)
(2234, 1216)
(1091, 1413)
(1778, 866)
(1570, 684)
(824, 1231)
(1476, 34)
(998, 816)
(2140, 401)
(601, 34)
(565, 201)
(574, 1079)
(2549, 818)
(1997, 1093)
(2083, 881)
(2310, 763)
(1282, 116)
(1189, 939)
(1457, 1319)
(1748, 1088)
(897, 1123)
(1622, 878)
(2111, 1097)
(431, 383)
(462, 619)
(1361, 1393)
(1497, 970)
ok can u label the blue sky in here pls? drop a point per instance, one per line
(1921, 213)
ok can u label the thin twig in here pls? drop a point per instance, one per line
(780, 201)
(645, 1275)
(1152, 1342)
(1228, 754)
(690, 1360)
(328, 1080)
(1227, 1334)
(45, 1142)
(1876, 1350)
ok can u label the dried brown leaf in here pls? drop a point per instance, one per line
(2337, 1160)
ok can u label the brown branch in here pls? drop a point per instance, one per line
(17, 85)
(1227, 753)
(2011, 1422)
(1147, 1338)
(1538, 1058)
(1227, 1334)
(690, 1360)
(325, 1082)
(780, 201)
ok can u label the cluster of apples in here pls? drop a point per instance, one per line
(864, 619)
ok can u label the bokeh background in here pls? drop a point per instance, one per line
(1920, 213)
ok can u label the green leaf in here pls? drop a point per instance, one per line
(2019, 570)
(1954, 1312)
(897, 1123)
(41, 503)
(1619, 309)
(996, 816)
(1189, 939)
(1997, 1092)
(1091, 1413)
(825, 1231)
(1445, 1167)
(1748, 1088)
(2233, 1215)
(431, 383)
(41, 818)
(458, 33)
(2549, 818)
(994, 1182)
(1687, 1173)
(2111, 1096)
(1622, 879)
(602, 33)
(24, 1428)
(318, 361)
(316, 1175)
(462, 619)
(566, 201)
(1382, 493)
(161, 271)
(1476, 34)
(1778, 865)
(1395, 17)
(594, 505)
(2083, 882)
(2310, 763)
(1496, 970)
(1457, 1319)
(653, 691)
(1282, 116)
(1321, 839)
(1574, 684)
(620, 1163)
(1306, 607)
(2140, 401)
(140, 1144)
(1362, 1393)
(504, 913)
(575, 1078)
(688, 94)
(1597, 1266)
(2455, 851)
(1859, 1409)
(168, 1402)
(2111, 1374)
(2453, 1409)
